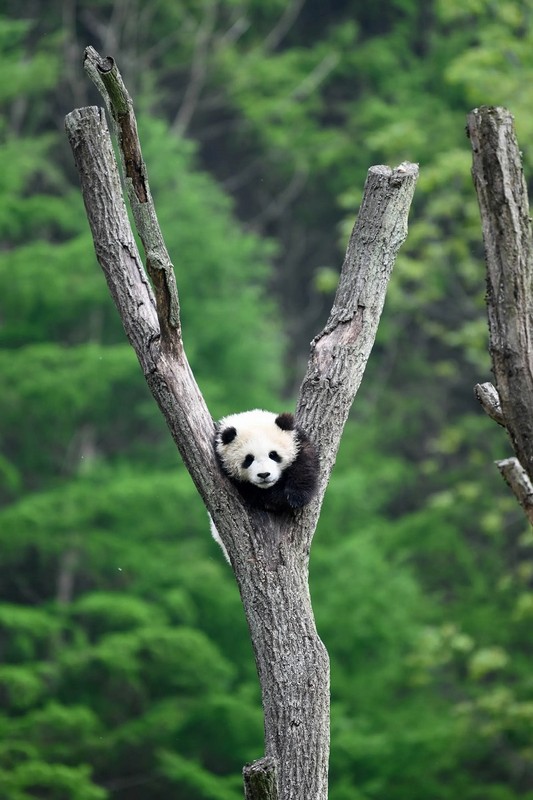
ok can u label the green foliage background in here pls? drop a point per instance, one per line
(125, 666)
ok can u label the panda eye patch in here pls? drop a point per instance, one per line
(247, 461)
(274, 456)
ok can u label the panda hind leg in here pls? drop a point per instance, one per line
(216, 536)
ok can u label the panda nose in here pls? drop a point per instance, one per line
(263, 474)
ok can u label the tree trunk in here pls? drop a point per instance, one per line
(269, 552)
(503, 202)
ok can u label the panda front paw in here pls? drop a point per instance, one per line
(297, 498)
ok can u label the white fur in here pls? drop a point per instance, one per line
(216, 536)
(257, 436)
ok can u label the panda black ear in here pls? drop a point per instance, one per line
(228, 435)
(285, 421)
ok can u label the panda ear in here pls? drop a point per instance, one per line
(285, 421)
(228, 435)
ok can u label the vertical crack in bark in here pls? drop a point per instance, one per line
(132, 157)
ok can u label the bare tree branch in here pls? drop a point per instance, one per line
(198, 71)
(503, 201)
(277, 206)
(313, 79)
(518, 480)
(490, 401)
(269, 552)
(114, 242)
(340, 353)
(283, 25)
(108, 80)
(167, 373)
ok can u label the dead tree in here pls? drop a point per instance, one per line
(503, 202)
(269, 553)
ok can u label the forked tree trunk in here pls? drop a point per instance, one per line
(269, 553)
(503, 202)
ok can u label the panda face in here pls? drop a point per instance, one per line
(254, 448)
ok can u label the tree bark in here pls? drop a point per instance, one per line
(269, 553)
(260, 781)
(503, 202)
(518, 480)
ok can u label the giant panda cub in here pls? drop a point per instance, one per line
(268, 458)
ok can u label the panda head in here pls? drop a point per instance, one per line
(256, 446)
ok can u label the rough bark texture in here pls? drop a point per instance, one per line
(269, 553)
(518, 480)
(339, 354)
(169, 377)
(260, 780)
(105, 75)
(504, 207)
(490, 400)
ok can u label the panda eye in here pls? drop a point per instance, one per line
(274, 456)
(247, 461)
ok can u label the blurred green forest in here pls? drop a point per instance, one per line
(125, 667)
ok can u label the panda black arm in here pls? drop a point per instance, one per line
(300, 479)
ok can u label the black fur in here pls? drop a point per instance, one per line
(228, 435)
(298, 483)
(285, 421)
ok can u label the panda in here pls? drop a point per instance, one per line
(269, 459)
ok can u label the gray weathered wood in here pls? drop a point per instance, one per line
(518, 480)
(490, 401)
(339, 354)
(260, 782)
(269, 553)
(503, 201)
(168, 374)
(104, 73)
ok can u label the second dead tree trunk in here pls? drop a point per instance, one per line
(269, 553)
(504, 207)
